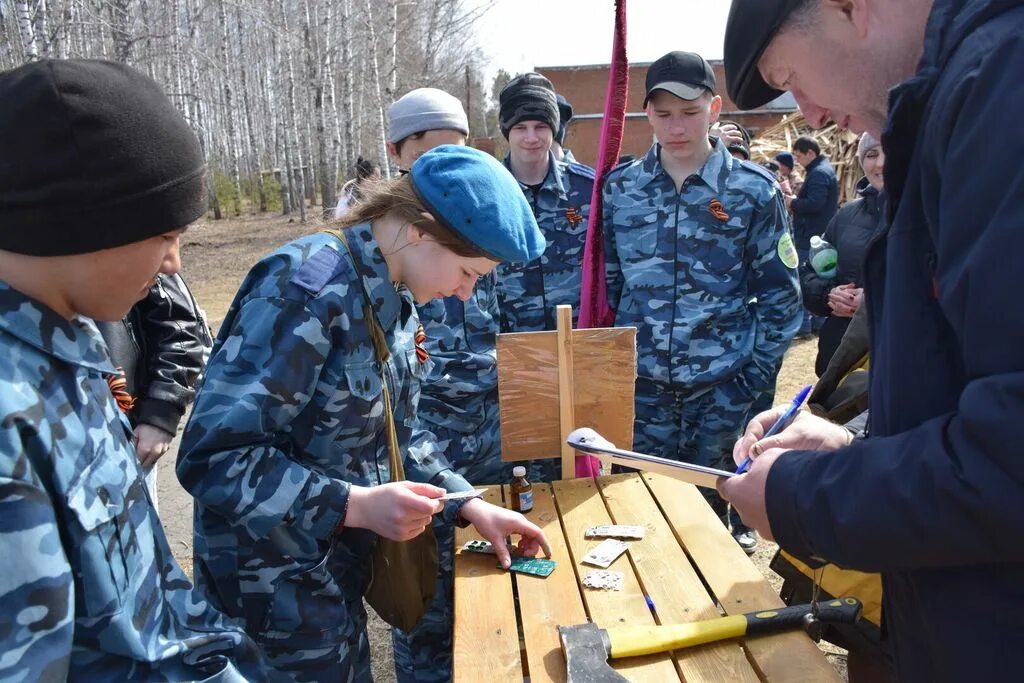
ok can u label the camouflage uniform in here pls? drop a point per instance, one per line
(683, 277)
(289, 417)
(459, 404)
(90, 590)
(529, 292)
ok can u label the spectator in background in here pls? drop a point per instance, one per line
(838, 298)
(738, 141)
(565, 114)
(159, 348)
(786, 164)
(366, 171)
(812, 206)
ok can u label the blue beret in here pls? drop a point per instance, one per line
(475, 197)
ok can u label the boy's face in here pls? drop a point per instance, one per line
(529, 142)
(414, 146)
(681, 126)
(104, 285)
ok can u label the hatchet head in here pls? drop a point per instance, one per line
(586, 648)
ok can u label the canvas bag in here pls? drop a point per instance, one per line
(403, 574)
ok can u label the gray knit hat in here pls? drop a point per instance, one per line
(527, 97)
(425, 109)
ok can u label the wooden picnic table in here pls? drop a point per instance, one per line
(687, 563)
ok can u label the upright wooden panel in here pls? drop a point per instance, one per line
(566, 412)
(486, 640)
(671, 581)
(547, 603)
(581, 506)
(737, 584)
(604, 372)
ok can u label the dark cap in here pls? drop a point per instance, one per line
(684, 74)
(527, 97)
(751, 26)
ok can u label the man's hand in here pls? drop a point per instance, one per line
(746, 493)
(495, 524)
(150, 444)
(729, 133)
(399, 511)
(805, 433)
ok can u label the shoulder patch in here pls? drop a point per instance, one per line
(758, 169)
(582, 169)
(319, 269)
(787, 251)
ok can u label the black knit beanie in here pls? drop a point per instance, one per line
(92, 156)
(527, 97)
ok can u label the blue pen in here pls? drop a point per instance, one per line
(781, 423)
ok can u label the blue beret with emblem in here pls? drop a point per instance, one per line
(473, 195)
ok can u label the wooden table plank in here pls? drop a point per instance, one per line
(580, 506)
(485, 643)
(736, 583)
(671, 582)
(547, 603)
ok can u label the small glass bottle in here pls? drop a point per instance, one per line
(521, 489)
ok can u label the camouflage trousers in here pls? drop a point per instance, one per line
(696, 427)
(347, 660)
(425, 654)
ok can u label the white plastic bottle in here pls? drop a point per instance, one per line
(823, 257)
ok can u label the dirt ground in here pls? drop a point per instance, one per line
(216, 255)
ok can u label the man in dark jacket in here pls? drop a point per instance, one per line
(160, 347)
(932, 498)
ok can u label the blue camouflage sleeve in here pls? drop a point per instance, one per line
(612, 269)
(424, 462)
(259, 380)
(773, 280)
(36, 583)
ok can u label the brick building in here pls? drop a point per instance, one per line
(585, 86)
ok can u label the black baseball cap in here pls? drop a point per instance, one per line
(751, 26)
(684, 74)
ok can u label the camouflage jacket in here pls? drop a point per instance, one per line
(463, 375)
(529, 292)
(289, 417)
(683, 266)
(89, 588)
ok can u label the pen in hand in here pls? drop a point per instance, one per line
(780, 423)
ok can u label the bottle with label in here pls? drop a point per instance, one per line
(823, 257)
(521, 490)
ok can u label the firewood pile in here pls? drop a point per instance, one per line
(840, 146)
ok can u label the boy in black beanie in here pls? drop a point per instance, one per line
(99, 176)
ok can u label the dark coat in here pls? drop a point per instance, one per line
(161, 345)
(934, 497)
(816, 202)
(849, 232)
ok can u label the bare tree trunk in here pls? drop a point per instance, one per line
(382, 147)
(120, 32)
(229, 110)
(291, 124)
(254, 150)
(349, 112)
(28, 36)
(42, 31)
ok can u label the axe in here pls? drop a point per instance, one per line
(587, 647)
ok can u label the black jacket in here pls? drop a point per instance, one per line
(849, 232)
(162, 346)
(934, 498)
(816, 202)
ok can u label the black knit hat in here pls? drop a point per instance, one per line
(92, 156)
(527, 97)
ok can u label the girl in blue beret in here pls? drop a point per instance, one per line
(287, 452)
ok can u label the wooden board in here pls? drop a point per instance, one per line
(547, 603)
(485, 644)
(604, 372)
(736, 583)
(580, 506)
(671, 581)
